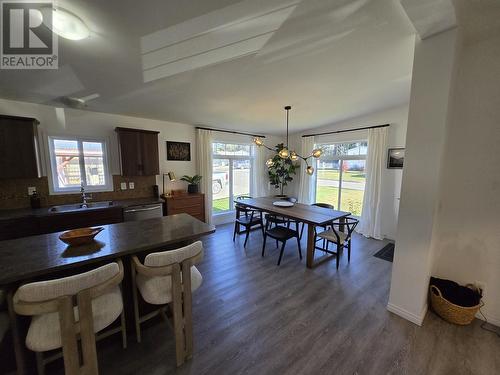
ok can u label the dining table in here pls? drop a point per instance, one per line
(45, 256)
(311, 215)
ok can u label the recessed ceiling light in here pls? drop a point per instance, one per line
(68, 25)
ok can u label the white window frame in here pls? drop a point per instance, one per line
(231, 158)
(54, 189)
(339, 158)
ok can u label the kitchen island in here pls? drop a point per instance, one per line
(44, 256)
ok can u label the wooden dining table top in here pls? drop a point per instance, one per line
(301, 212)
(36, 256)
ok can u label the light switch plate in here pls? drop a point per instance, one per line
(123, 186)
(31, 190)
(131, 185)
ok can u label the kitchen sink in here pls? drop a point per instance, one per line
(80, 206)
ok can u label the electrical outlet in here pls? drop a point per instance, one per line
(131, 185)
(31, 190)
(123, 186)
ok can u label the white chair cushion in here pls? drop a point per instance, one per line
(66, 286)
(158, 290)
(44, 332)
(330, 236)
(165, 258)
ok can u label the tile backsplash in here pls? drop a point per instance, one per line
(14, 192)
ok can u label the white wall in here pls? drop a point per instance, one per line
(433, 69)
(96, 124)
(468, 223)
(391, 186)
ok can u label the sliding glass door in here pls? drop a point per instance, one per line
(341, 176)
(230, 174)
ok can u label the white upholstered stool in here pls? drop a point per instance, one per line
(169, 277)
(69, 309)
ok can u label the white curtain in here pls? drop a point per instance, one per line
(307, 183)
(204, 167)
(259, 173)
(371, 217)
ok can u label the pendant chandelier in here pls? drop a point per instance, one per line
(285, 152)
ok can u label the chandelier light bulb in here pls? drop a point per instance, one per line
(269, 163)
(309, 170)
(293, 156)
(284, 154)
(258, 141)
(317, 152)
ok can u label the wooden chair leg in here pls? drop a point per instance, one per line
(349, 251)
(302, 230)
(247, 233)
(281, 252)
(40, 365)
(178, 318)
(264, 244)
(87, 335)
(69, 337)
(123, 323)
(300, 250)
(339, 247)
(136, 305)
(235, 230)
(187, 308)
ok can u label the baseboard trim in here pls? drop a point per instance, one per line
(416, 319)
(491, 319)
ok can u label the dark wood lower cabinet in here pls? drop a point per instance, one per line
(33, 225)
(19, 227)
(192, 204)
(73, 220)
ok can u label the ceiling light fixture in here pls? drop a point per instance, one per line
(67, 25)
(285, 153)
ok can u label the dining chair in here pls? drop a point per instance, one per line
(248, 218)
(338, 237)
(280, 234)
(71, 309)
(323, 205)
(164, 278)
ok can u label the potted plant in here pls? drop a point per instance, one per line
(281, 171)
(193, 183)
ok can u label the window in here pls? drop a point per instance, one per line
(341, 175)
(232, 164)
(79, 162)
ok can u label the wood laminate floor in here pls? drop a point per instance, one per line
(252, 317)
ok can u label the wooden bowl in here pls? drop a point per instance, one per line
(82, 236)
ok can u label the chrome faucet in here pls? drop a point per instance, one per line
(85, 197)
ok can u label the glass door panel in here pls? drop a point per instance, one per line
(220, 185)
(353, 186)
(241, 177)
(328, 182)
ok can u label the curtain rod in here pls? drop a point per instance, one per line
(231, 131)
(347, 130)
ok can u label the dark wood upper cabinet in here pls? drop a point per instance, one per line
(18, 147)
(138, 152)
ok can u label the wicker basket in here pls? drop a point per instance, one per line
(449, 311)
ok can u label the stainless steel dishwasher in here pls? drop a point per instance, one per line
(143, 212)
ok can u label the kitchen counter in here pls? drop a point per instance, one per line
(46, 211)
(28, 257)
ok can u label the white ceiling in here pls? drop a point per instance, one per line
(329, 59)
